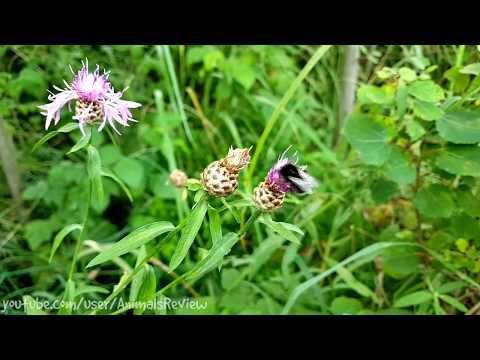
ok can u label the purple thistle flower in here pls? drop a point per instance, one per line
(286, 176)
(96, 101)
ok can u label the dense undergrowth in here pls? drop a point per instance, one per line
(392, 228)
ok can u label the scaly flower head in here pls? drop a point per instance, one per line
(220, 178)
(96, 101)
(284, 177)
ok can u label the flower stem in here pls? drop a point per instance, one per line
(82, 232)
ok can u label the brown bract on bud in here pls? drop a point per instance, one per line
(220, 178)
(178, 178)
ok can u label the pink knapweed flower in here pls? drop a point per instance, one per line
(96, 101)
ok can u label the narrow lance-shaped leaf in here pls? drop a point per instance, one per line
(115, 178)
(64, 129)
(82, 142)
(189, 232)
(133, 241)
(214, 256)
(60, 236)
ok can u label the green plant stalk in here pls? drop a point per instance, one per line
(82, 232)
(279, 109)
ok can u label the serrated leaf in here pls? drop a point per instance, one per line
(369, 138)
(132, 241)
(60, 236)
(426, 90)
(418, 297)
(460, 160)
(427, 110)
(368, 94)
(460, 127)
(434, 201)
(189, 232)
(399, 169)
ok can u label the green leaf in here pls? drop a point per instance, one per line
(285, 230)
(368, 94)
(131, 171)
(242, 72)
(460, 160)
(369, 138)
(406, 74)
(427, 110)
(399, 169)
(215, 225)
(67, 305)
(214, 256)
(263, 253)
(415, 130)
(345, 305)
(454, 302)
(460, 127)
(84, 140)
(144, 285)
(400, 262)
(434, 201)
(415, 298)
(60, 236)
(39, 231)
(465, 226)
(112, 176)
(91, 289)
(383, 190)
(32, 306)
(426, 90)
(64, 129)
(468, 202)
(189, 232)
(133, 241)
(450, 286)
(402, 95)
(94, 169)
(472, 69)
(356, 285)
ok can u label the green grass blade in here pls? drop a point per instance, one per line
(279, 109)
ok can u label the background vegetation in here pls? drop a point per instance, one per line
(392, 229)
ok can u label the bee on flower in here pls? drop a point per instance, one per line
(220, 178)
(284, 177)
(96, 101)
